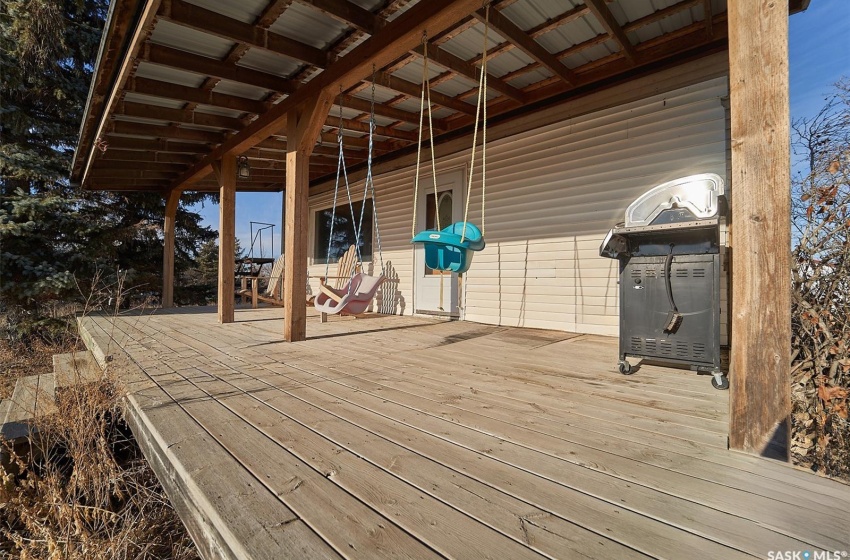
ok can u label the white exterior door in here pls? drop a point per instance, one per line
(436, 292)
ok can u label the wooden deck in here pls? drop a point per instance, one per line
(394, 437)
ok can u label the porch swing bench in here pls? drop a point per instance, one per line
(353, 299)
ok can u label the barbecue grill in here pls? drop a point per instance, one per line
(669, 254)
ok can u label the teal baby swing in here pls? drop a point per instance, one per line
(451, 248)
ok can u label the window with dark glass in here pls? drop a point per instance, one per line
(343, 232)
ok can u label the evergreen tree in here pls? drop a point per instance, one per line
(54, 239)
(46, 49)
(199, 284)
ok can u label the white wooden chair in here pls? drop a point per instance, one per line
(273, 294)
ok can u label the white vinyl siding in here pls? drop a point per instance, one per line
(552, 195)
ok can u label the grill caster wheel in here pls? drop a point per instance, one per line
(625, 367)
(720, 382)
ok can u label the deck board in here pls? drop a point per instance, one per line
(410, 437)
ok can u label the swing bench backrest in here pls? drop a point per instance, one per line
(346, 268)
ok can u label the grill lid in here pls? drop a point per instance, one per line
(697, 193)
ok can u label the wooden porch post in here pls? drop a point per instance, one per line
(171, 204)
(303, 124)
(760, 367)
(225, 170)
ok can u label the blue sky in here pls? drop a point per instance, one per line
(819, 42)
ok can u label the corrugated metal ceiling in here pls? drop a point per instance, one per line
(305, 23)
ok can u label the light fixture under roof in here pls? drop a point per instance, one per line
(243, 169)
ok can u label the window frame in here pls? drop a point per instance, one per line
(313, 224)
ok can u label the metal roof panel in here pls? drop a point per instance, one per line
(221, 111)
(308, 26)
(242, 90)
(455, 86)
(155, 101)
(245, 11)
(190, 40)
(531, 13)
(170, 75)
(592, 53)
(530, 77)
(269, 62)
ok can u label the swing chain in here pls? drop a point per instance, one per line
(340, 167)
(342, 170)
(370, 181)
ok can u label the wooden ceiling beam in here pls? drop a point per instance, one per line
(385, 110)
(467, 23)
(166, 90)
(256, 181)
(107, 173)
(559, 20)
(658, 15)
(172, 168)
(601, 38)
(272, 12)
(207, 21)
(276, 150)
(381, 49)
(143, 20)
(272, 144)
(184, 116)
(230, 62)
(415, 90)
(279, 146)
(168, 132)
(366, 21)
(158, 145)
(464, 68)
(143, 156)
(348, 12)
(658, 49)
(360, 142)
(357, 126)
(127, 185)
(606, 19)
(537, 31)
(219, 69)
(708, 17)
(268, 173)
(528, 45)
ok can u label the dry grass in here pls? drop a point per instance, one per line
(20, 360)
(87, 493)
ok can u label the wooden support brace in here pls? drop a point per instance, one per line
(760, 357)
(303, 125)
(168, 230)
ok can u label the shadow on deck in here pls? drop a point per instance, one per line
(406, 437)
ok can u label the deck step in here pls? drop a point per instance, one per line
(33, 396)
(75, 368)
